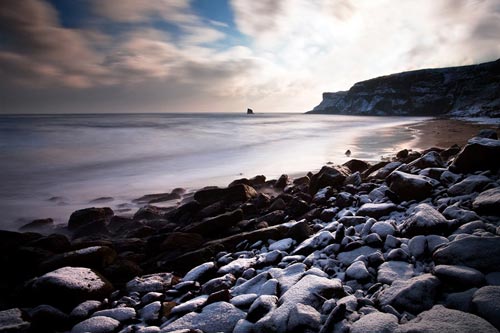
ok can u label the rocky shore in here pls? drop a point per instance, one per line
(407, 245)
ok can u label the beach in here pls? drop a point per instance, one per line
(394, 243)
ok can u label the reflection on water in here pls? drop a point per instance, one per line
(82, 157)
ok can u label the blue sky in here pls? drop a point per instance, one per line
(224, 55)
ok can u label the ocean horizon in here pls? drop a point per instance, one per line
(55, 164)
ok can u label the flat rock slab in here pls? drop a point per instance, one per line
(440, 319)
(69, 286)
(414, 295)
(481, 253)
(214, 318)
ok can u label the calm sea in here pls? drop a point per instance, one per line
(52, 165)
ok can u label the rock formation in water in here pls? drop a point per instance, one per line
(468, 91)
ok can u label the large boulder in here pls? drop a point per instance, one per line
(87, 216)
(488, 202)
(425, 220)
(408, 186)
(440, 319)
(375, 322)
(430, 160)
(474, 183)
(481, 253)
(217, 225)
(236, 193)
(486, 302)
(478, 154)
(414, 295)
(214, 318)
(69, 286)
(459, 276)
(328, 176)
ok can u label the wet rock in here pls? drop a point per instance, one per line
(158, 197)
(282, 182)
(200, 272)
(236, 193)
(486, 302)
(96, 257)
(430, 160)
(414, 295)
(12, 321)
(488, 202)
(356, 165)
(181, 242)
(459, 276)
(425, 220)
(327, 176)
(38, 225)
(408, 186)
(56, 243)
(440, 319)
(216, 225)
(480, 253)
(150, 212)
(478, 154)
(385, 171)
(69, 286)
(214, 318)
(96, 325)
(86, 216)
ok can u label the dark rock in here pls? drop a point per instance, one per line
(374, 168)
(273, 218)
(440, 319)
(408, 186)
(414, 295)
(487, 133)
(297, 207)
(69, 286)
(184, 213)
(86, 216)
(214, 209)
(425, 220)
(478, 154)
(459, 276)
(121, 271)
(261, 306)
(402, 154)
(430, 160)
(480, 253)
(349, 221)
(12, 321)
(45, 318)
(217, 225)
(469, 185)
(384, 171)
(356, 165)
(450, 152)
(150, 213)
(56, 243)
(328, 176)
(461, 301)
(376, 210)
(278, 204)
(37, 225)
(282, 182)
(96, 257)
(219, 296)
(236, 193)
(486, 302)
(488, 202)
(157, 197)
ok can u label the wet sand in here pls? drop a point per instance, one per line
(444, 133)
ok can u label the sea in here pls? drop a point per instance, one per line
(52, 165)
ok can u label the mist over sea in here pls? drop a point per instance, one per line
(52, 165)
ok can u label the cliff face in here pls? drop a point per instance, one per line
(455, 91)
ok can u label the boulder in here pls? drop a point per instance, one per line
(459, 276)
(408, 186)
(383, 229)
(69, 286)
(98, 324)
(217, 225)
(46, 318)
(486, 302)
(357, 271)
(236, 193)
(86, 216)
(96, 257)
(474, 183)
(150, 212)
(375, 322)
(477, 252)
(328, 176)
(414, 295)
(121, 314)
(376, 210)
(12, 320)
(488, 202)
(158, 282)
(391, 271)
(478, 154)
(461, 215)
(425, 220)
(38, 225)
(385, 171)
(356, 165)
(214, 318)
(430, 160)
(440, 319)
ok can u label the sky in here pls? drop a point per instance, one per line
(101, 56)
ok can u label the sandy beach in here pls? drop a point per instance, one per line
(444, 133)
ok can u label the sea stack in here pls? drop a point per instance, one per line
(249, 111)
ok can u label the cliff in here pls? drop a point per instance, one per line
(455, 91)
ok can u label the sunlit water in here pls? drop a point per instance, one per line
(78, 158)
